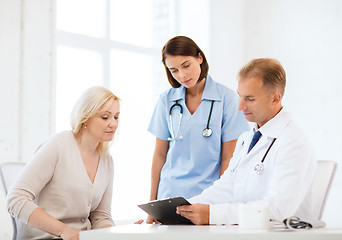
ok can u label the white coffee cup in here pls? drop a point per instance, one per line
(254, 216)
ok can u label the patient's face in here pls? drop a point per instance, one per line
(103, 125)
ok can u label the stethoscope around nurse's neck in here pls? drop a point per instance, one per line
(207, 132)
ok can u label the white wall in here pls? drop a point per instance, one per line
(26, 77)
(192, 20)
(306, 37)
(25, 83)
(226, 40)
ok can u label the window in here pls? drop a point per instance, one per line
(116, 44)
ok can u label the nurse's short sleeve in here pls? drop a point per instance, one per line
(158, 125)
(234, 122)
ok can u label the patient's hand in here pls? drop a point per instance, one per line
(140, 221)
(107, 226)
(196, 213)
(151, 220)
(70, 233)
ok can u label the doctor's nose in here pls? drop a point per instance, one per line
(241, 106)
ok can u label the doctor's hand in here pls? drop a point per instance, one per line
(197, 213)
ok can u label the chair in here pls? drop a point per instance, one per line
(8, 173)
(321, 186)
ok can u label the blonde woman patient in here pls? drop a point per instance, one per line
(67, 186)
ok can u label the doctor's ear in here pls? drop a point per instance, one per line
(277, 97)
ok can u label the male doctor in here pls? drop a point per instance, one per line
(273, 164)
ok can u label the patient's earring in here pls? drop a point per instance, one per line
(85, 125)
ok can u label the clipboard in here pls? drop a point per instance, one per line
(164, 210)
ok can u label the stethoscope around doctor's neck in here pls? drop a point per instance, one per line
(259, 167)
(207, 132)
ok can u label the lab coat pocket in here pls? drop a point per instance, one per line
(258, 182)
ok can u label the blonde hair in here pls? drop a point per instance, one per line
(88, 105)
(270, 70)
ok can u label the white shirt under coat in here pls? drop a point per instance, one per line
(284, 185)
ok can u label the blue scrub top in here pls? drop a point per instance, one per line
(193, 163)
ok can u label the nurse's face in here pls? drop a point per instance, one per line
(258, 103)
(185, 69)
(102, 126)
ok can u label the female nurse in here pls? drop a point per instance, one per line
(192, 149)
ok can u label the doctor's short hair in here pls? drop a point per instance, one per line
(183, 46)
(270, 70)
(87, 106)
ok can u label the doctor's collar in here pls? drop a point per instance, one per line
(274, 126)
(257, 128)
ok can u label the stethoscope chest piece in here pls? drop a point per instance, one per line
(259, 168)
(207, 132)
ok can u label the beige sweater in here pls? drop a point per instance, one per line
(56, 180)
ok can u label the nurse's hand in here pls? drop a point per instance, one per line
(151, 220)
(197, 213)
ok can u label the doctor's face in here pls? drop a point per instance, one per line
(102, 126)
(185, 69)
(256, 101)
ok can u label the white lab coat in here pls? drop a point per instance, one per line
(284, 185)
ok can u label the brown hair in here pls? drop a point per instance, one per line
(270, 70)
(183, 46)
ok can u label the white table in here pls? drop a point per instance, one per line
(189, 232)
